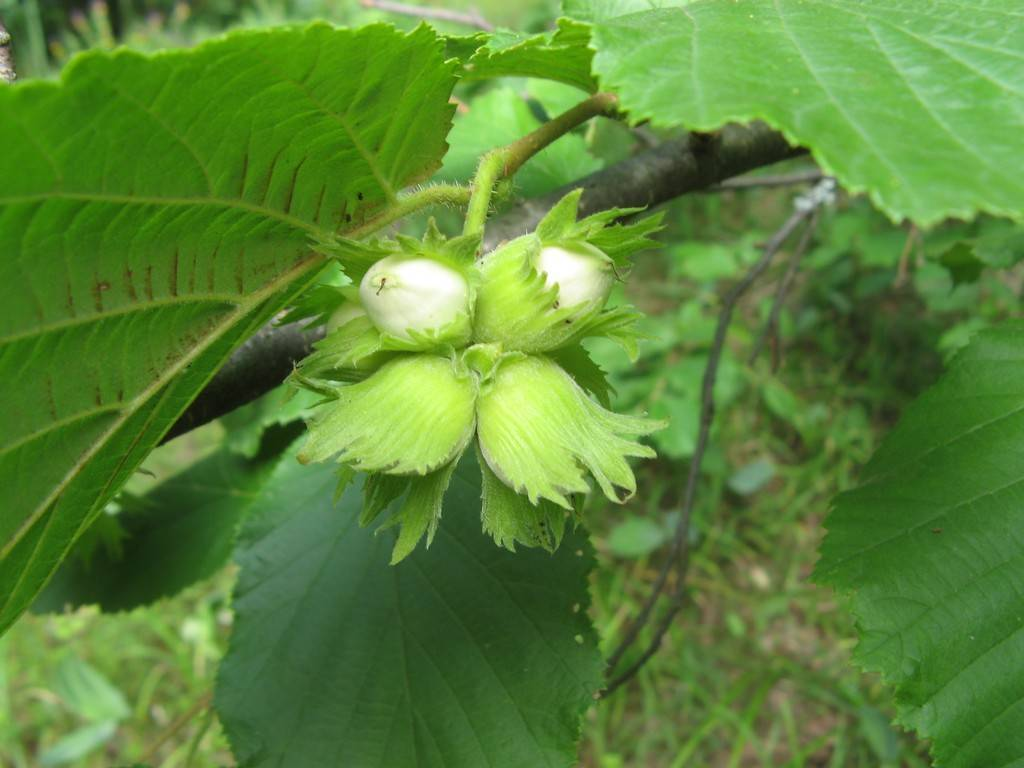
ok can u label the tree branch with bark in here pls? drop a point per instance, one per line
(691, 163)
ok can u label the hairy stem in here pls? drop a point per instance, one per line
(487, 175)
(503, 162)
(436, 194)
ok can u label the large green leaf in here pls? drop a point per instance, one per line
(154, 212)
(179, 533)
(931, 548)
(920, 103)
(463, 655)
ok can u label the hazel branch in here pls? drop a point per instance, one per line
(691, 163)
(502, 163)
(674, 168)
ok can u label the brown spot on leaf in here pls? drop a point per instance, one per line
(51, 403)
(211, 272)
(70, 300)
(98, 289)
(174, 273)
(129, 285)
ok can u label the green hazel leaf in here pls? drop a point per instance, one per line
(511, 519)
(463, 655)
(563, 55)
(540, 433)
(413, 415)
(420, 512)
(499, 117)
(929, 550)
(155, 212)
(181, 532)
(920, 105)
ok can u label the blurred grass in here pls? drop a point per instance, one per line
(756, 669)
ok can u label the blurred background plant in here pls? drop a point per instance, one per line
(755, 671)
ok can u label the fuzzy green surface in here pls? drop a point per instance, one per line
(146, 234)
(411, 416)
(518, 310)
(541, 434)
(510, 519)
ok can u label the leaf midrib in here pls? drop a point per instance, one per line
(244, 307)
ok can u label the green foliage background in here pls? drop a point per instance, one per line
(758, 673)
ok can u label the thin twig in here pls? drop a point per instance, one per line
(470, 18)
(810, 176)
(903, 269)
(679, 555)
(201, 731)
(770, 332)
(7, 73)
(176, 725)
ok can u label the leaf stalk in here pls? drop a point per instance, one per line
(426, 197)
